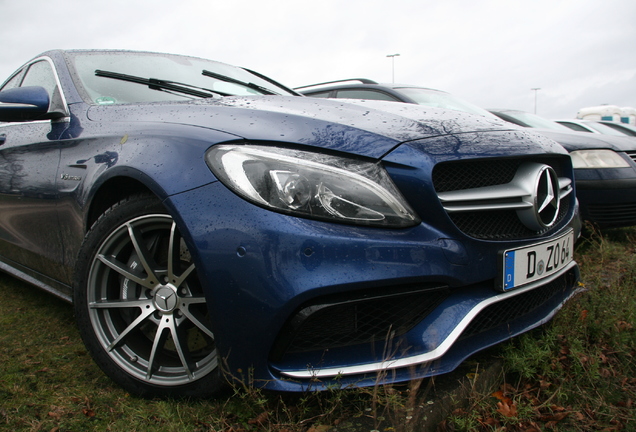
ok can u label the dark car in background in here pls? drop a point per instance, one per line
(362, 88)
(209, 224)
(604, 167)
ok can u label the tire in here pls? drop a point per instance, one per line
(140, 307)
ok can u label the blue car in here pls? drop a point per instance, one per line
(211, 225)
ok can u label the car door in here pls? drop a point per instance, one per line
(30, 238)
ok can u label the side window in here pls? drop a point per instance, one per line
(40, 74)
(365, 94)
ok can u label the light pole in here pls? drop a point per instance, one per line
(535, 98)
(393, 56)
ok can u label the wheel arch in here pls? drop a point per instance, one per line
(122, 184)
(110, 192)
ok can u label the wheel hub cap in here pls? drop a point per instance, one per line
(165, 299)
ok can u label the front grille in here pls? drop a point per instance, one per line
(612, 214)
(517, 306)
(331, 324)
(492, 224)
(632, 154)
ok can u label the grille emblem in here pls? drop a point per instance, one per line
(548, 197)
(544, 197)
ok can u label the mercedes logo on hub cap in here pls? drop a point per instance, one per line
(544, 196)
(165, 299)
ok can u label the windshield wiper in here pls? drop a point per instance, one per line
(271, 81)
(162, 85)
(249, 85)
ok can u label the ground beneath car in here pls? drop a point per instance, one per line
(436, 398)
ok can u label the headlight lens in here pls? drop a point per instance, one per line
(312, 185)
(597, 159)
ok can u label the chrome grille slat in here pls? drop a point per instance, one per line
(500, 197)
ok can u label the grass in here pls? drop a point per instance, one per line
(576, 374)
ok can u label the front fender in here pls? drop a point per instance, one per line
(169, 159)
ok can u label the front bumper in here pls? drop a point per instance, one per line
(259, 269)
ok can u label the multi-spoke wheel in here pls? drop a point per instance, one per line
(140, 307)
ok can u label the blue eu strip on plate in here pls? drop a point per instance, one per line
(509, 272)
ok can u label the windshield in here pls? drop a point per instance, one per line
(438, 99)
(623, 128)
(535, 121)
(109, 88)
(602, 128)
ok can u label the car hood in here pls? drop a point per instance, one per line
(368, 128)
(585, 140)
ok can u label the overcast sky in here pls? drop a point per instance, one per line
(580, 53)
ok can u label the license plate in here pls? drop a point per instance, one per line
(531, 263)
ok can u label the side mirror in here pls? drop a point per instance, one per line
(23, 104)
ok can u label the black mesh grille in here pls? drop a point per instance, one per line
(473, 174)
(517, 306)
(499, 225)
(492, 225)
(324, 326)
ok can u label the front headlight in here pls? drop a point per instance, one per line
(597, 159)
(312, 185)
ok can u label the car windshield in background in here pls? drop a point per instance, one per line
(535, 121)
(128, 77)
(626, 129)
(439, 99)
(605, 130)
